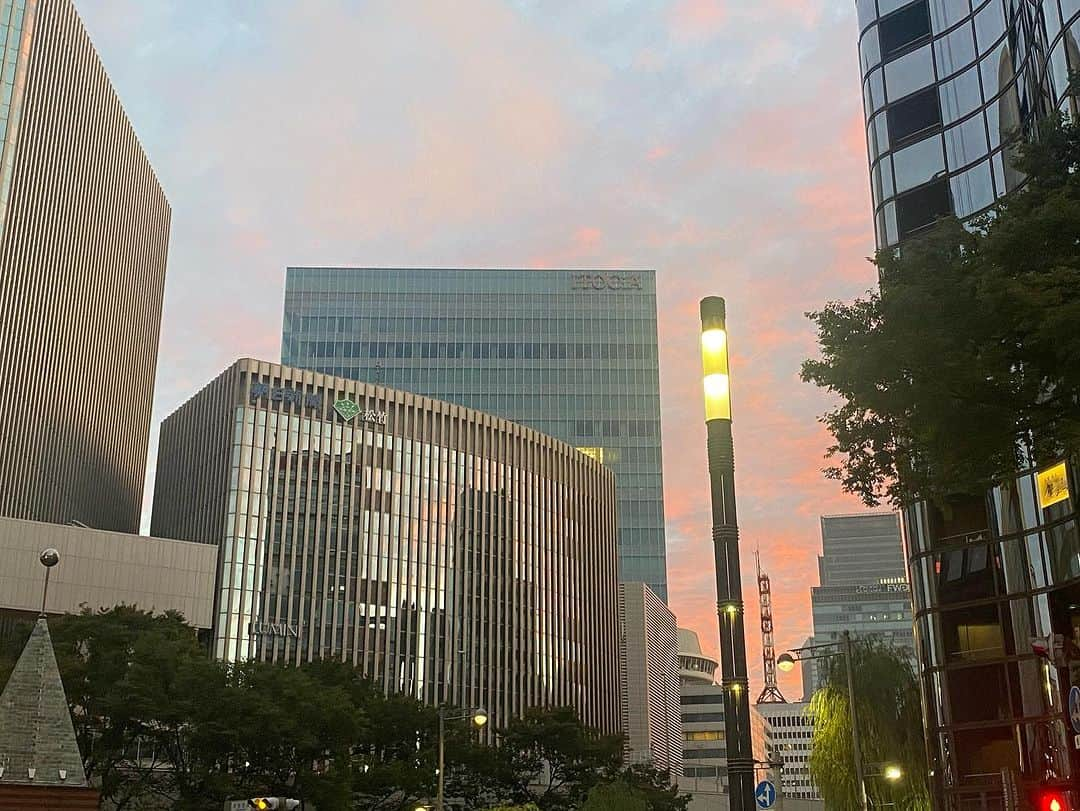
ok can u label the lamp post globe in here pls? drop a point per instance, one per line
(785, 662)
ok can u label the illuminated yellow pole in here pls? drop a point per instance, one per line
(725, 532)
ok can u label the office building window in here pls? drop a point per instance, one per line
(908, 73)
(919, 163)
(915, 115)
(703, 754)
(923, 207)
(702, 717)
(703, 699)
(955, 51)
(904, 28)
(706, 735)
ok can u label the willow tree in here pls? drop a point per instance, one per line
(888, 709)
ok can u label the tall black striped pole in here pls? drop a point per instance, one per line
(725, 533)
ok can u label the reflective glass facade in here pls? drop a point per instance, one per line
(996, 588)
(449, 554)
(15, 40)
(946, 83)
(570, 353)
(864, 586)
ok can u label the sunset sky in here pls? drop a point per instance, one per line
(717, 142)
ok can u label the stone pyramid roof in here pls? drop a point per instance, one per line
(36, 734)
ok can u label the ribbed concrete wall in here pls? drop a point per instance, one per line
(82, 272)
(449, 554)
(650, 679)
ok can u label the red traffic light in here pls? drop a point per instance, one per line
(1053, 800)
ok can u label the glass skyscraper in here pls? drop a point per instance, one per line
(946, 84)
(949, 87)
(570, 353)
(864, 587)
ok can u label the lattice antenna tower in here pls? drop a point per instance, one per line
(770, 694)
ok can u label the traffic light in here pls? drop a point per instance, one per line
(273, 803)
(1052, 800)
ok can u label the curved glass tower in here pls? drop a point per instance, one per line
(948, 87)
(945, 84)
(996, 588)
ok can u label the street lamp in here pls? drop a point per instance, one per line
(786, 662)
(49, 558)
(892, 772)
(716, 383)
(479, 718)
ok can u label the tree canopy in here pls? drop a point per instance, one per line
(163, 725)
(890, 726)
(967, 359)
(617, 796)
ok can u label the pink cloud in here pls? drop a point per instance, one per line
(506, 135)
(588, 238)
(697, 19)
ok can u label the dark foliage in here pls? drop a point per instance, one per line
(163, 726)
(967, 359)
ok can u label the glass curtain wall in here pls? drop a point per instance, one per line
(571, 354)
(948, 85)
(996, 588)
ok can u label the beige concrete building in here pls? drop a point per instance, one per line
(704, 735)
(787, 733)
(451, 555)
(84, 231)
(650, 674)
(102, 569)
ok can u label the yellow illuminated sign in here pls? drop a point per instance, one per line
(594, 453)
(1053, 485)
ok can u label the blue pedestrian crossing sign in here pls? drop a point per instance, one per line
(765, 794)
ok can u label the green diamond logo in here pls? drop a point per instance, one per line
(346, 409)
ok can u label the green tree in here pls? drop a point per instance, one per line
(293, 734)
(570, 759)
(124, 671)
(969, 344)
(655, 787)
(396, 760)
(161, 724)
(890, 726)
(616, 796)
